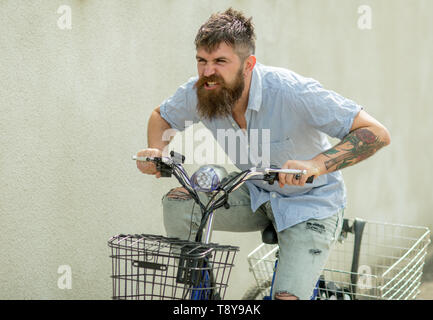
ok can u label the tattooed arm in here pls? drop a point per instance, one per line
(366, 137)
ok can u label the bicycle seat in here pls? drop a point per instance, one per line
(269, 235)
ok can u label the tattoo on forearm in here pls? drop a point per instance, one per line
(355, 147)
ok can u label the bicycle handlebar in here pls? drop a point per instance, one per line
(272, 172)
(173, 165)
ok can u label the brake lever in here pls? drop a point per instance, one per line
(271, 177)
(165, 169)
(177, 157)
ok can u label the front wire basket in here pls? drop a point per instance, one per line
(150, 267)
(390, 266)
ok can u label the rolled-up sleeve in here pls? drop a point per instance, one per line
(324, 109)
(180, 110)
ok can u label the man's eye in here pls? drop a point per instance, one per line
(221, 61)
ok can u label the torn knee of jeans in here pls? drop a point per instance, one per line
(314, 226)
(285, 295)
(178, 194)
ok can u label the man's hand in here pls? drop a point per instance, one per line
(149, 167)
(290, 179)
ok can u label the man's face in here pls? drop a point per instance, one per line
(221, 81)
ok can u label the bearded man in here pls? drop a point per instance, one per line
(235, 92)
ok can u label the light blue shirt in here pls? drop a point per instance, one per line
(298, 114)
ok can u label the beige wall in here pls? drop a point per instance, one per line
(74, 108)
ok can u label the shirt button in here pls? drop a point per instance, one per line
(264, 182)
(274, 195)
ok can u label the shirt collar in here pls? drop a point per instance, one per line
(255, 95)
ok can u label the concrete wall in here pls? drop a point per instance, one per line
(75, 103)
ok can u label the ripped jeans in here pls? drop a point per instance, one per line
(304, 248)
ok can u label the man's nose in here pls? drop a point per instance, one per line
(208, 71)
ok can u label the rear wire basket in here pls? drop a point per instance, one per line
(150, 267)
(390, 265)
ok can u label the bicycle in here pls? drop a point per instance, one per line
(151, 266)
(156, 267)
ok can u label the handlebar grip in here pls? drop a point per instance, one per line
(163, 168)
(274, 177)
(143, 159)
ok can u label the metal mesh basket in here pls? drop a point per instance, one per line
(391, 262)
(151, 267)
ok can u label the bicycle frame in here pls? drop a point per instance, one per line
(173, 165)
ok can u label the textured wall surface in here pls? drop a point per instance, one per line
(75, 103)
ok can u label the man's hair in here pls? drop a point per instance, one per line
(231, 27)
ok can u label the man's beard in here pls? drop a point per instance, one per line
(218, 103)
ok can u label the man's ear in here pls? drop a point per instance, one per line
(250, 62)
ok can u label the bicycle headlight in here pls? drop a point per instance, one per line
(207, 178)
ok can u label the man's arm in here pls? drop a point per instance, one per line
(156, 129)
(366, 137)
(157, 140)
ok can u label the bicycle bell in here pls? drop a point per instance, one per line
(208, 177)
